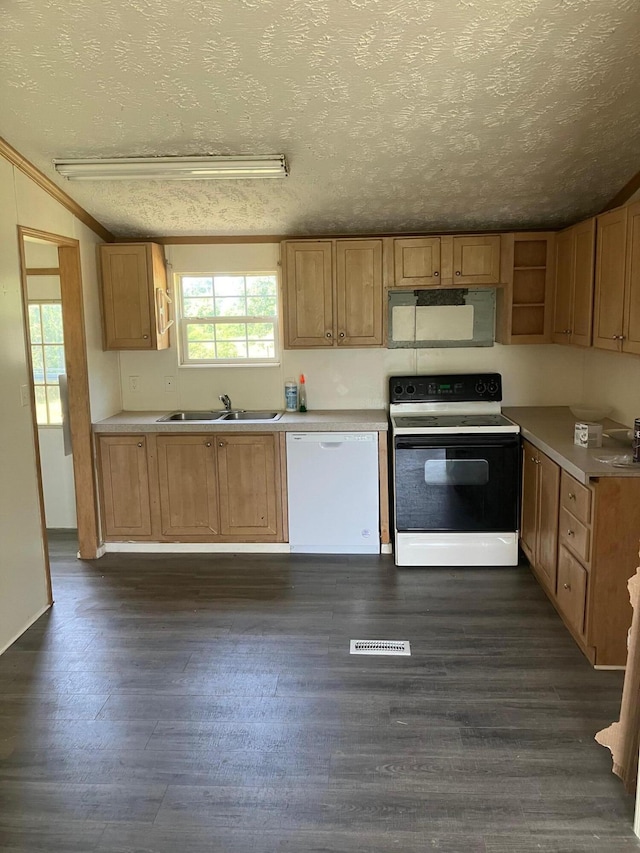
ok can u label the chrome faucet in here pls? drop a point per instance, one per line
(226, 401)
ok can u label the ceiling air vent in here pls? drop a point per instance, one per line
(380, 647)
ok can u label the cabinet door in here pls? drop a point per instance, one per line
(609, 283)
(476, 260)
(135, 305)
(529, 500)
(249, 487)
(188, 485)
(308, 294)
(124, 486)
(547, 519)
(417, 262)
(582, 297)
(359, 292)
(565, 246)
(631, 342)
(572, 590)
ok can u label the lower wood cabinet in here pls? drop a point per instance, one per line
(213, 487)
(582, 542)
(123, 476)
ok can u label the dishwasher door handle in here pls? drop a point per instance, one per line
(330, 445)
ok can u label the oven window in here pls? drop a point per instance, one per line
(451, 487)
(456, 472)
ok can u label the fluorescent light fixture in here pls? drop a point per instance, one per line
(174, 168)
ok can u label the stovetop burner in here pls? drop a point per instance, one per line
(448, 421)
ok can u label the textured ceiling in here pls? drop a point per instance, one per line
(396, 115)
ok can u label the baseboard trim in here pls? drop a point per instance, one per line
(386, 549)
(26, 628)
(197, 547)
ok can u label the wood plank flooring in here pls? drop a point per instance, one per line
(208, 704)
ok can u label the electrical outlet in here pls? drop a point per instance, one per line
(134, 384)
(169, 383)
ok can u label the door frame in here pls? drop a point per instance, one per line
(75, 348)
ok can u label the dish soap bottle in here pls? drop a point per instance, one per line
(291, 395)
(302, 394)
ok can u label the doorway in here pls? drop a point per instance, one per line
(58, 388)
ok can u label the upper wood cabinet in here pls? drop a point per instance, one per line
(525, 304)
(446, 261)
(574, 271)
(617, 310)
(135, 300)
(333, 293)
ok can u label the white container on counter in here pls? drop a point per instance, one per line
(587, 434)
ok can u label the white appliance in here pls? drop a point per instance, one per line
(456, 471)
(333, 492)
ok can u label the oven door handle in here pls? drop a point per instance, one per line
(413, 442)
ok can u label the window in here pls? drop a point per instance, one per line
(228, 319)
(47, 355)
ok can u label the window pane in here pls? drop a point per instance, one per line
(200, 332)
(262, 349)
(229, 285)
(38, 364)
(198, 307)
(41, 404)
(54, 363)
(231, 331)
(261, 306)
(197, 286)
(35, 331)
(55, 410)
(259, 331)
(52, 323)
(261, 285)
(202, 349)
(230, 307)
(231, 349)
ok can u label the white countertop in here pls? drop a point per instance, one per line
(329, 420)
(550, 428)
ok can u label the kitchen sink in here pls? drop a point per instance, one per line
(191, 416)
(251, 416)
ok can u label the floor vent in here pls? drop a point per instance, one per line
(380, 647)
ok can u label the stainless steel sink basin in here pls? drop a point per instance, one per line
(191, 416)
(251, 416)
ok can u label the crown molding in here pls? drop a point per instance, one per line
(26, 167)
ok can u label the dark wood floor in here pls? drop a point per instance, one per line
(185, 704)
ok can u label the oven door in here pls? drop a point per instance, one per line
(462, 483)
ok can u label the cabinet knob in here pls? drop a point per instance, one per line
(567, 331)
(566, 585)
(145, 337)
(571, 496)
(207, 444)
(570, 533)
(221, 444)
(458, 272)
(328, 334)
(533, 459)
(341, 335)
(141, 444)
(436, 273)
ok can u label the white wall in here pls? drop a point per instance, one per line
(23, 594)
(613, 379)
(57, 479)
(336, 378)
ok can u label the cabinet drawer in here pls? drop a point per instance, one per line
(576, 498)
(574, 534)
(572, 589)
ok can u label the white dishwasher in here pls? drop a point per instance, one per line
(333, 492)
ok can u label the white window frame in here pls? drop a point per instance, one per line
(43, 345)
(184, 322)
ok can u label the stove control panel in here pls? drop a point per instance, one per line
(446, 388)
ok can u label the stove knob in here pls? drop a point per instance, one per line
(492, 386)
(411, 389)
(398, 389)
(481, 388)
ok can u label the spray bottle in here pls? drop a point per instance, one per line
(302, 394)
